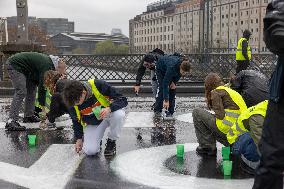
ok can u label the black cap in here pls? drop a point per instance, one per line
(158, 51)
(246, 33)
(149, 58)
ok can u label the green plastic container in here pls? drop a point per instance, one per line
(32, 139)
(180, 150)
(180, 165)
(227, 168)
(96, 110)
(226, 153)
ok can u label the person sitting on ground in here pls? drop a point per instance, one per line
(26, 70)
(169, 69)
(55, 83)
(252, 85)
(227, 105)
(149, 62)
(245, 134)
(83, 100)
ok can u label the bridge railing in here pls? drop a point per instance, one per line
(123, 68)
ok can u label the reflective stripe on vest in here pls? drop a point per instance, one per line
(239, 52)
(47, 100)
(238, 128)
(99, 96)
(231, 115)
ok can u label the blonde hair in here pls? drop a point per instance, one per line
(50, 79)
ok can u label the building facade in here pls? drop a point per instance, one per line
(193, 26)
(66, 43)
(50, 26)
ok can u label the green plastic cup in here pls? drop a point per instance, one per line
(227, 167)
(180, 165)
(226, 153)
(32, 139)
(180, 150)
(97, 110)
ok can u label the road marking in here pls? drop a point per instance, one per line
(52, 170)
(146, 166)
(139, 119)
(185, 118)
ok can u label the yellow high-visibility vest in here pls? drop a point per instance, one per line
(47, 100)
(231, 116)
(99, 96)
(239, 54)
(238, 128)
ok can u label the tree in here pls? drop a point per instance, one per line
(78, 51)
(108, 47)
(105, 47)
(122, 49)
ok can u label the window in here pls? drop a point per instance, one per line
(256, 20)
(242, 22)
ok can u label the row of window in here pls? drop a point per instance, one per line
(154, 38)
(154, 30)
(154, 22)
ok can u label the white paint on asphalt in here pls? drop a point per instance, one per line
(139, 119)
(185, 118)
(52, 170)
(146, 166)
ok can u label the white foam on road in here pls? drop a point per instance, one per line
(139, 119)
(52, 170)
(146, 167)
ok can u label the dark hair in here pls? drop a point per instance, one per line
(158, 51)
(149, 58)
(246, 33)
(185, 66)
(72, 92)
(212, 81)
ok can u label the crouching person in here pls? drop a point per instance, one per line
(227, 105)
(245, 134)
(84, 98)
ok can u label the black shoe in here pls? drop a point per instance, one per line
(206, 151)
(14, 126)
(110, 149)
(31, 119)
(246, 168)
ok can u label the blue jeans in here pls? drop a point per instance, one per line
(245, 146)
(160, 96)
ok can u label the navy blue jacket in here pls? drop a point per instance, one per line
(117, 102)
(168, 70)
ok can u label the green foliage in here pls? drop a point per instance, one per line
(78, 51)
(108, 47)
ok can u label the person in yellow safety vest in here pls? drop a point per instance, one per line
(243, 52)
(60, 67)
(227, 105)
(84, 100)
(245, 134)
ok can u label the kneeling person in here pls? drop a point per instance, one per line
(83, 98)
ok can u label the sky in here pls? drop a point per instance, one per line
(94, 16)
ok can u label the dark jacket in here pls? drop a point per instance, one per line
(142, 69)
(33, 65)
(244, 49)
(252, 85)
(277, 81)
(117, 102)
(168, 67)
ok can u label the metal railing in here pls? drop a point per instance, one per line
(124, 67)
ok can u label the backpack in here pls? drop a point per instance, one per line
(274, 27)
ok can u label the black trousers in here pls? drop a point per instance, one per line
(242, 65)
(269, 174)
(57, 107)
